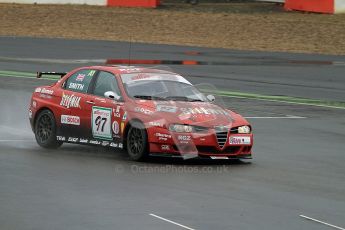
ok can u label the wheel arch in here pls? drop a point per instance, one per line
(39, 111)
(129, 124)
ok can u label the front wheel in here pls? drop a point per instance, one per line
(137, 142)
(45, 130)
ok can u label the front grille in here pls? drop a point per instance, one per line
(221, 138)
(221, 134)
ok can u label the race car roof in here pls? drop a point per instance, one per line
(136, 73)
(129, 78)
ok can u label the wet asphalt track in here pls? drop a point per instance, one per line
(298, 166)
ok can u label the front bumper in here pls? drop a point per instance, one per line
(201, 145)
(200, 156)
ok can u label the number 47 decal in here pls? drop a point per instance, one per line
(101, 123)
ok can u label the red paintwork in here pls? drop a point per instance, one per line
(161, 140)
(134, 3)
(318, 6)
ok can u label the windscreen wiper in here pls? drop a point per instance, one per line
(195, 100)
(148, 97)
(182, 98)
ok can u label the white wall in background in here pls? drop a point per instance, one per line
(339, 6)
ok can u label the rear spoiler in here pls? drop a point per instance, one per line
(61, 74)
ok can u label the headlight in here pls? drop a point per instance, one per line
(244, 129)
(181, 128)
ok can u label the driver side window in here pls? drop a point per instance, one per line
(106, 82)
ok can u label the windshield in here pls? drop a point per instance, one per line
(152, 86)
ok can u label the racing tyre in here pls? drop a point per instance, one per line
(45, 130)
(137, 142)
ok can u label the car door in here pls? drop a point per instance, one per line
(106, 113)
(75, 99)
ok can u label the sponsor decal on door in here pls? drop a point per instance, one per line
(70, 120)
(70, 101)
(115, 127)
(101, 122)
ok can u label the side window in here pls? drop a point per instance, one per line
(80, 81)
(106, 82)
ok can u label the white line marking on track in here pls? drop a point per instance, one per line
(172, 222)
(321, 222)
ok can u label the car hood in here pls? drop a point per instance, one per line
(195, 113)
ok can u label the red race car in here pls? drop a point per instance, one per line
(145, 111)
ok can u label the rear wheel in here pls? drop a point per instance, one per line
(45, 130)
(137, 142)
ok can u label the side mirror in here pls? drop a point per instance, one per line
(111, 95)
(211, 98)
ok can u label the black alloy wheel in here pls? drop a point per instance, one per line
(137, 142)
(45, 130)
